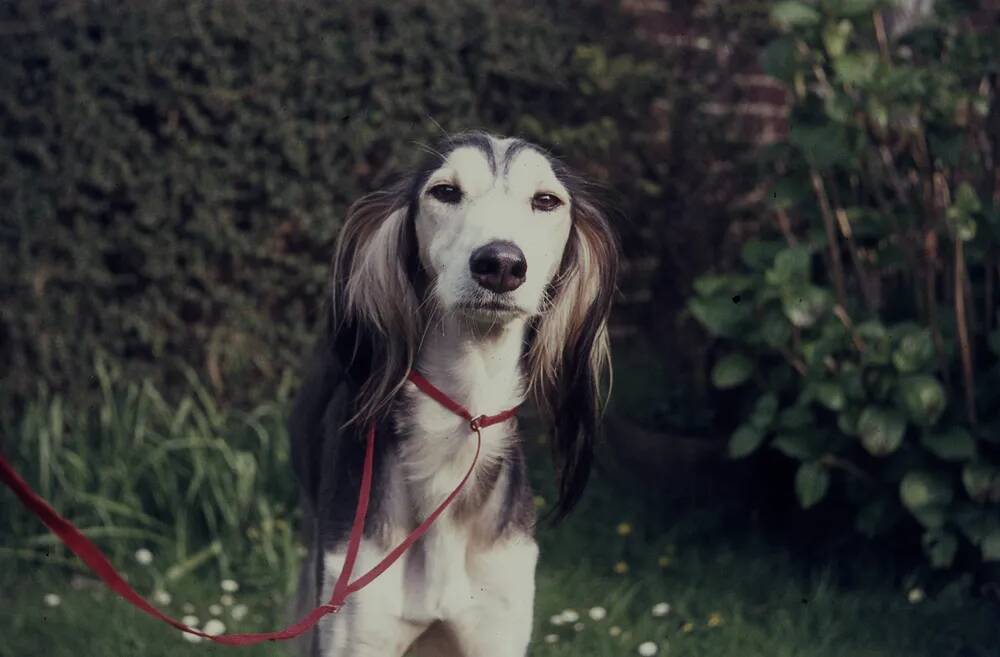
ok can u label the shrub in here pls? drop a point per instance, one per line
(863, 329)
(175, 173)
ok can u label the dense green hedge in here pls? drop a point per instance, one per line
(174, 173)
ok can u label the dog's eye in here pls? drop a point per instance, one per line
(446, 193)
(544, 202)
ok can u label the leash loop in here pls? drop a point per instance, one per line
(476, 423)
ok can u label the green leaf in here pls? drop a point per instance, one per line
(778, 59)
(759, 254)
(847, 421)
(793, 14)
(796, 417)
(976, 522)
(878, 343)
(791, 267)
(940, 547)
(855, 68)
(830, 394)
(721, 316)
(823, 146)
(744, 441)
(954, 444)
(800, 445)
(775, 330)
(731, 371)
(811, 483)
(990, 546)
(804, 305)
(966, 199)
(914, 352)
(923, 397)
(921, 489)
(764, 411)
(982, 482)
(710, 285)
(835, 35)
(881, 429)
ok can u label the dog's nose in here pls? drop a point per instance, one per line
(498, 266)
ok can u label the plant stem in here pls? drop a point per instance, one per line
(831, 237)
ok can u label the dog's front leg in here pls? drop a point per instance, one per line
(371, 623)
(498, 623)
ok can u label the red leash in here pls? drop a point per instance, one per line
(91, 555)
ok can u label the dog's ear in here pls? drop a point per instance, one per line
(568, 355)
(374, 300)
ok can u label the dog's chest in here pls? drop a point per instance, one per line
(435, 454)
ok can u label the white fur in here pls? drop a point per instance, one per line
(492, 208)
(456, 592)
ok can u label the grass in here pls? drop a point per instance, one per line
(732, 590)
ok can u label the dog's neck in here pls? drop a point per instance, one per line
(477, 366)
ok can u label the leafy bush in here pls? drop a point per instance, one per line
(175, 173)
(864, 328)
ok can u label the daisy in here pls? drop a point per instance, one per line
(597, 613)
(144, 556)
(214, 627)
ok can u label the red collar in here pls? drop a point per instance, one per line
(95, 559)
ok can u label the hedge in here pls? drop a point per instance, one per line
(174, 173)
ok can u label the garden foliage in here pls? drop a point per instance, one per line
(864, 329)
(174, 173)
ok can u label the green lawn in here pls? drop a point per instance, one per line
(142, 472)
(730, 594)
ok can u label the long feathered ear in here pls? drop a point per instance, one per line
(374, 313)
(569, 356)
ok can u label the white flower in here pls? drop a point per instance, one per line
(161, 598)
(570, 616)
(598, 613)
(614, 630)
(190, 620)
(187, 608)
(916, 595)
(214, 627)
(579, 627)
(215, 610)
(647, 649)
(52, 600)
(557, 619)
(239, 611)
(230, 586)
(144, 556)
(193, 638)
(226, 600)
(551, 638)
(661, 609)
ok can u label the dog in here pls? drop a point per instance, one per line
(490, 270)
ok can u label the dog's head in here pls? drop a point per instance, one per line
(492, 231)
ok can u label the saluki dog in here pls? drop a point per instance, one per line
(490, 271)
